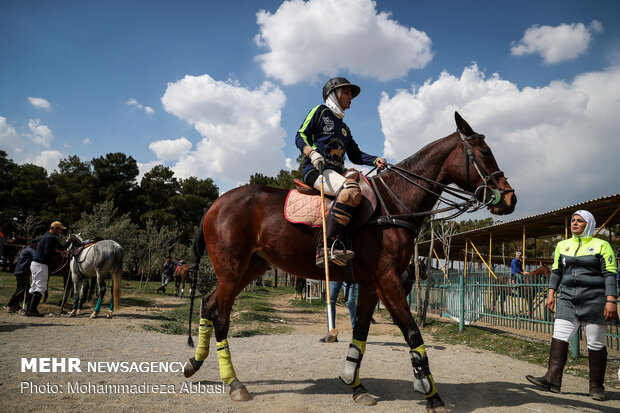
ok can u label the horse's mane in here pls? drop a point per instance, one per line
(416, 157)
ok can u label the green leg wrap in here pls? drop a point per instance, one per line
(98, 305)
(423, 381)
(350, 374)
(227, 372)
(204, 338)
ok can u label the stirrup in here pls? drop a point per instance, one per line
(337, 256)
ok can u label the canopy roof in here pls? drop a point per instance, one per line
(556, 222)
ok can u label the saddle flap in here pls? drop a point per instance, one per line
(302, 205)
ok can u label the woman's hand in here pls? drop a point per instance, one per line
(381, 164)
(611, 309)
(316, 159)
(550, 303)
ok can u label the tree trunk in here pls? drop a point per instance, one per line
(429, 281)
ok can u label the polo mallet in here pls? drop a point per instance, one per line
(332, 334)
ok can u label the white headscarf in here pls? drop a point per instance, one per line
(590, 223)
(333, 103)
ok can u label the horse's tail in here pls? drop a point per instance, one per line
(199, 246)
(117, 270)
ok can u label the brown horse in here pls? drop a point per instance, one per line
(181, 273)
(532, 289)
(245, 231)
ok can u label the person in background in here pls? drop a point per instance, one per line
(22, 271)
(516, 268)
(167, 274)
(350, 296)
(48, 246)
(585, 266)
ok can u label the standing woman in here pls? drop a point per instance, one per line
(586, 268)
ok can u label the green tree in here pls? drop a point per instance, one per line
(32, 194)
(115, 177)
(8, 179)
(107, 222)
(73, 185)
(158, 186)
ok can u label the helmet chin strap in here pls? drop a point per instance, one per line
(333, 103)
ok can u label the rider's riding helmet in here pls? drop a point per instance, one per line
(335, 83)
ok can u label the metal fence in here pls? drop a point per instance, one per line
(478, 297)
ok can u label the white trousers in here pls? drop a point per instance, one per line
(595, 333)
(40, 274)
(333, 182)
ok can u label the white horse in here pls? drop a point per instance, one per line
(100, 259)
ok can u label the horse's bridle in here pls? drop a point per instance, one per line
(496, 193)
(470, 199)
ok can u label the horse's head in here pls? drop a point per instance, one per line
(473, 168)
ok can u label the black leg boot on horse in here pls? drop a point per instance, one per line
(597, 359)
(347, 199)
(552, 381)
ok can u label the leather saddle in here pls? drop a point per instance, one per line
(364, 210)
(85, 244)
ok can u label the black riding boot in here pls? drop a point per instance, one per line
(552, 381)
(34, 303)
(338, 253)
(597, 359)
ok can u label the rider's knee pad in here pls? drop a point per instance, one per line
(350, 193)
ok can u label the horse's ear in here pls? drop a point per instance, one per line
(463, 126)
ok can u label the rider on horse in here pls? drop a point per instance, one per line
(324, 138)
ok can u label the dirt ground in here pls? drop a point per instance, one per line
(284, 373)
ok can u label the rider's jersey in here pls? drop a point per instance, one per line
(331, 137)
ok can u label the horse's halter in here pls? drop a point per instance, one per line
(490, 196)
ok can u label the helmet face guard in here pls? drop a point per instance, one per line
(335, 83)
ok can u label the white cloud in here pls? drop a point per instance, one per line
(39, 103)
(40, 133)
(171, 149)
(557, 144)
(147, 109)
(47, 159)
(240, 128)
(326, 37)
(557, 44)
(86, 141)
(9, 139)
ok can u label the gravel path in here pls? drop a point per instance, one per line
(284, 373)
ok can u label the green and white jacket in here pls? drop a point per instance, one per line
(586, 268)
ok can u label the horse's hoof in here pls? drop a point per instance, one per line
(191, 367)
(435, 405)
(365, 399)
(238, 392)
(109, 315)
(93, 315)
(72, 313)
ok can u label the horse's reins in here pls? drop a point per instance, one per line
(470, 200)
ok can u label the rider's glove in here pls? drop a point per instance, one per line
(316, 159)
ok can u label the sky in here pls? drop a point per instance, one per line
(217, 89)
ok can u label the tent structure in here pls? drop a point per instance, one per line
(605, 209)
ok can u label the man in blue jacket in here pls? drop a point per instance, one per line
(46, 249)
(516, 268)
(22, 271)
